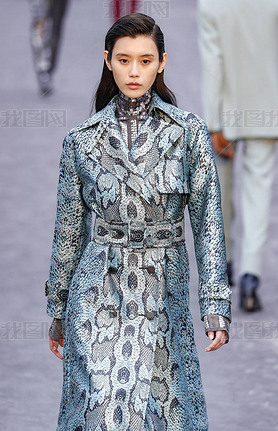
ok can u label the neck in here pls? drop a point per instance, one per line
(127, 107)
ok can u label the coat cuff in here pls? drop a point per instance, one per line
(210, 306)
(215, 322)
(215, 131)
(56, 329)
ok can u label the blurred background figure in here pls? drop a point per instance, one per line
(238, 45)
(46, 25)
(123, 7)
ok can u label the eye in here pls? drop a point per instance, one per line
(123, 60)
(146, 61)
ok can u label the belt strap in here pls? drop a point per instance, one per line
(139, 233)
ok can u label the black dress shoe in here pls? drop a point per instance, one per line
(249, 300)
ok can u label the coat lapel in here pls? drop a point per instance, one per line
(107, 146)
(111, 153)
(154, 139)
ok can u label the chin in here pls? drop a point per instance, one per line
(134, 93)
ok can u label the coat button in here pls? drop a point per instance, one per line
(151, 269)
(112, 269)
(150, 315)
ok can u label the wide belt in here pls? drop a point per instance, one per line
(139, 233)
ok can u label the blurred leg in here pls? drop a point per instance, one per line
(47, 19)
(258, 160)
(38, 9)
(40, 36)
(57, 13)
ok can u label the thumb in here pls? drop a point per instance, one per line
(211, 335)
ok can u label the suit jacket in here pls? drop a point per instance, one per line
(130, 356)
(238, 45)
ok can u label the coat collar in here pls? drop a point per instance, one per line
(107, 114)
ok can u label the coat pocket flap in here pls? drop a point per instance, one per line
(173, 185)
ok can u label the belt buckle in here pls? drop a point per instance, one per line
(167, 225)
(136, 233)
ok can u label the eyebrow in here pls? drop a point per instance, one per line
(120, 54)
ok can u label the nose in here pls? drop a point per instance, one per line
(134, 70)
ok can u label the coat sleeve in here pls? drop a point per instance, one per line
(72, 232)
(206, 219)
(212, 65)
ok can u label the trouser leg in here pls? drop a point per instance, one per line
(38, 9)
(40, 35)
(257, 178)
(225, 174)
(56, 13)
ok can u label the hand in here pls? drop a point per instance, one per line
(55, 344)
(221, 145)
(218, 341)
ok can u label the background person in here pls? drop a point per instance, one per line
(240, 99)
(46, 28)
(123, 7)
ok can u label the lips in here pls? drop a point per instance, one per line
(133, 85)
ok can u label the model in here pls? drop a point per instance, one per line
(120, 299)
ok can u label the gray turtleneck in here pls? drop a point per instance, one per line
(131, 113)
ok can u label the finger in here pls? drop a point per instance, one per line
(226, 151)
(218, 342)
(220, 338)
(230, 151)
(61, 341)
(221, 150)
(214, 346)
(56, 352)
(211, 335)
(54, 348)
(225, 141)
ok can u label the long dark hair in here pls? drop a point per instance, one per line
(130, 25)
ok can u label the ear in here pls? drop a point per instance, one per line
(162, 64)
(106, 61)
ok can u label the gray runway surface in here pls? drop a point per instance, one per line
(240, 379)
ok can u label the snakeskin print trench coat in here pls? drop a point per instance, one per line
(129, 357)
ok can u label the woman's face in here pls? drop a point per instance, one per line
(135, 64)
